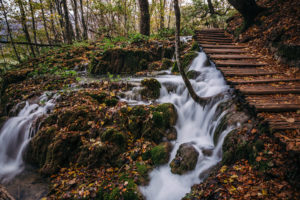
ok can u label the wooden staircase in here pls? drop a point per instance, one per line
(274, 94)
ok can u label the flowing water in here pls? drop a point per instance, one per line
(17, 132)
(195, 124)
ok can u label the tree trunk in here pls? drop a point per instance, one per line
(24, 26)
(68, 26)
(61, 19)
(145, 17)
(162, 13)
(84, 27)
(170, 13)
(248, 9)
(211, 7)
(201, 101)
(33, 25)
(45, 22)
(9, 31)
(75, 9)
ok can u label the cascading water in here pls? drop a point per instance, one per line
(17, 132)
(195, 125)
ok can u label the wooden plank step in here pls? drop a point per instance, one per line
(229, 72)
(267, 90)
(230, 56)
(267, 107)
(284, 125)
(211, 35)
(222, 46)
(214, 40)
(238, 63)
(215, 43)
(222, 51)
(263, 81)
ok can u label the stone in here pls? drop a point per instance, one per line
(192, 74)
(160, 154)
(171, 134)
(151, 88)
(185, 160)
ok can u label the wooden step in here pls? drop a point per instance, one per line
(214, 40)
(230, 56)
(222, 46)
(222, 51)
(211, 35)
(267, 90)
(229, 72)
(267, 107)
(262, 81)
(238, 63)
(276, 126)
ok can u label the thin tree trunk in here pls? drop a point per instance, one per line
(61, 19)
(211, 7)
(75, 9)
(162, 13)
(33, 25)
(9, 31)
(170, 12)
(44, 22)
(201, 101)
(145, 17)
(84, 27)
(24, 25)
(68, 25)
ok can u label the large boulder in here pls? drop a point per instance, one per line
(185, 160)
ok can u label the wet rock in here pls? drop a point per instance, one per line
(3, 120)
(166, 64)
(16, 109)
(185, 160)
(4, 195)
(169, 113)
(207, 151)
(151, 88)
(185, 60)
(195, 46)
(161, 153)
(192, 74)
(171, 134)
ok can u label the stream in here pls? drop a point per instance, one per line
(195, 125)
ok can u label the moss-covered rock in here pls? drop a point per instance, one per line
(151, 88)
(166, 63)
(161, 153)
(185, 160)
(187, 59)
(169, 114)
(195, 46)
(114, 136)
(192, 74)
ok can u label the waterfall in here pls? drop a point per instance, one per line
(195, 124)
(17, 132)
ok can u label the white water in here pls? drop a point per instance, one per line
(194, 124)
(17, 132)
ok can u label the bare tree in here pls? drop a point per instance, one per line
(145, 17)
(24, 25)
(33, 24)
(45, 22)
(84, 26)
(9, 31)
(200, 100)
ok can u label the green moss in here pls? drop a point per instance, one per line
(99, 97)
(175, 67)
(166, 63)
(143, 64)
(195, 46)
(111, 101)
(169, 114)
(114, 136)
(158, 119)
(187, 59)
(159, 155)
(142, 169)
(151, 88)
